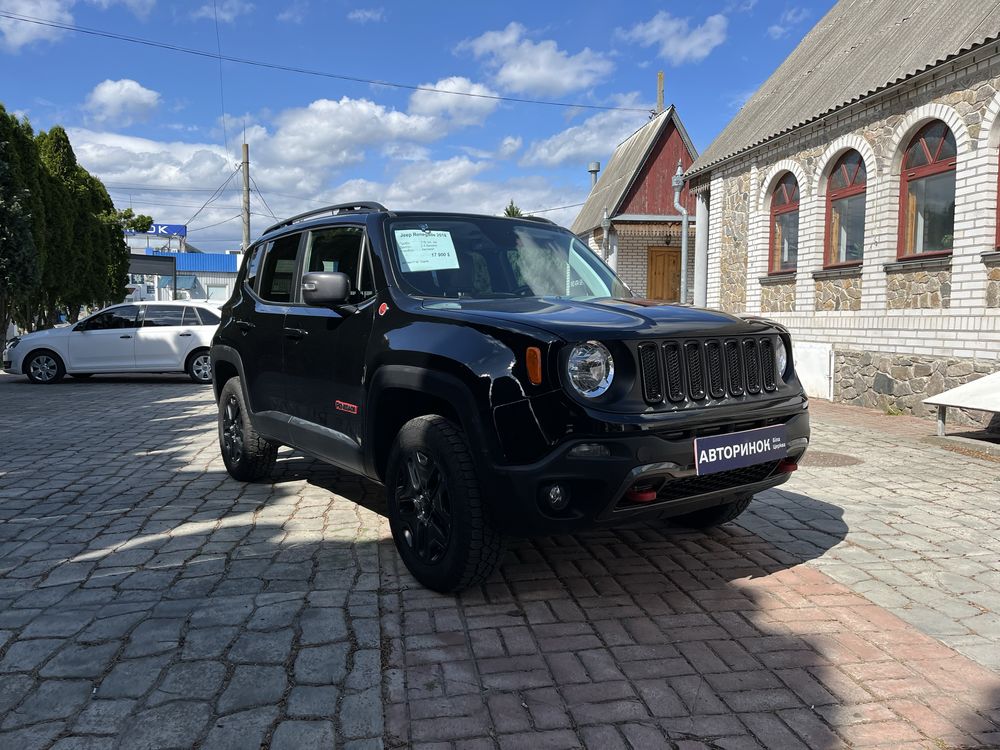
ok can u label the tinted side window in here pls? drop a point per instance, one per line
(208, 318)
(119, 317)
(339, 249)
(278, 270)
(253, 264)
(163, 315)
(191, 317)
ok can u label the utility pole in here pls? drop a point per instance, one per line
(659, 92)
(246, 197)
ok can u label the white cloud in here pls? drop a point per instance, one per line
(17, 34)
(140, 8)
(525, 66)
(594, 138)
(459, 110)
(366, 15)
(294, 13)
(121, 103)
(678, 41)
(509, 146)
(227, 10)
(791, 17)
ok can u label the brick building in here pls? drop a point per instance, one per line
(854, 199)
(643, 242)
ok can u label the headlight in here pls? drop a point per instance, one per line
(781, 357)
(13, 342)
(591, 368)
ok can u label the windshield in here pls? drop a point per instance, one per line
(493, 258)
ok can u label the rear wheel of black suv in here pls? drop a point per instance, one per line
(247, 455)
(436, 508)
(717, 515)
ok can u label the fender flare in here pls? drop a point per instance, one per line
(223, 353)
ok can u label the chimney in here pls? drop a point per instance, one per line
(594, 168)
(659, 92)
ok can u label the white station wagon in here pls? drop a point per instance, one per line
(135, 337)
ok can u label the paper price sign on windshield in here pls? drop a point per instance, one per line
(425, 251)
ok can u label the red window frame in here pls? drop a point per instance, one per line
(934, 165)
(853, 188)
(791, 204)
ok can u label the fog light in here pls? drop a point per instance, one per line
(557, 497)
(590, 450)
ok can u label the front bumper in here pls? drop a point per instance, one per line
(601, 490)
(11, 363)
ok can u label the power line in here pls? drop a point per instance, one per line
(556, 208)
(261, 196)
(303, 71)
(222, 92)
(218, 223)
(214, 195)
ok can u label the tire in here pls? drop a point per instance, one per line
(199, 367)
(435, 505)
(44, 367)
(247, 455)
(717, 515)
(81, 375)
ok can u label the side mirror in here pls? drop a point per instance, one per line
(323, 288)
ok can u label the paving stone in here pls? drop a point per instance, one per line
(322, 665)
(262, 648)
(23, 656)
(76, 660)
(293, 735)
(104, 716)
(173, 725)
(308, 701)
(361, 714)
(250, 687)
(195, 680)
(131, 678)
(50, 700)
(245, 729)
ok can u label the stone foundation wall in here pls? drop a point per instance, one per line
(918, 290)
(898, 383)
(993, 287)
(777, 297)
(838, 294)
(733, 256)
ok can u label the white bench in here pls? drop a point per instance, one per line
(982, 394)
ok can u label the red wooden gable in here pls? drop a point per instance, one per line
(652, 192)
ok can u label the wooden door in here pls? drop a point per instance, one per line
(663, 277)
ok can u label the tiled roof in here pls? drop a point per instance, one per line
(858, 48)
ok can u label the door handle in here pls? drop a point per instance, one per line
(295, 333)
(183, 334)
(126, 336)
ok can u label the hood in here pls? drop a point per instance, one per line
(46, 334)
(604, 318)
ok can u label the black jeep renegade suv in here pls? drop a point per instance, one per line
(499, 379)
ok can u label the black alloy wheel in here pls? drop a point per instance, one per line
(232, 430)
(424, 507)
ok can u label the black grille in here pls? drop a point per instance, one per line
(675, 377)
(751, 365)
(652, 384)
(716, 375)
(675, 489)
(696, 372)
(716, 369)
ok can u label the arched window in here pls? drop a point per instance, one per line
(927, 192)
(784, 225)
(845, 211)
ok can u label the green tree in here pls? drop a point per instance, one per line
(512, 209)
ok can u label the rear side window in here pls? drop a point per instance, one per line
(278, 270)
(208, 318)
(163, 315)
(253, 264)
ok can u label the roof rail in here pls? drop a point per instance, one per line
(541, 219)
(358, 207)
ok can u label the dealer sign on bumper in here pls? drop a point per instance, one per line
(738, 449)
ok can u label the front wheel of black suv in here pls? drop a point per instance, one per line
(247, 455)
(717, 515)
(436, 511)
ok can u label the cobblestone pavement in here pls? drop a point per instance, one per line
(148, 601)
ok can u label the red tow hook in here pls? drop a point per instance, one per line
(785, 466)
(640, 496)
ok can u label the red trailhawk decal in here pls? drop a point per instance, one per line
(346, 407)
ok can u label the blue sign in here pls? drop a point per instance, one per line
(738, 449)
(166, 230)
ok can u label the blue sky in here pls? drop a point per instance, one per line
(149, 122)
